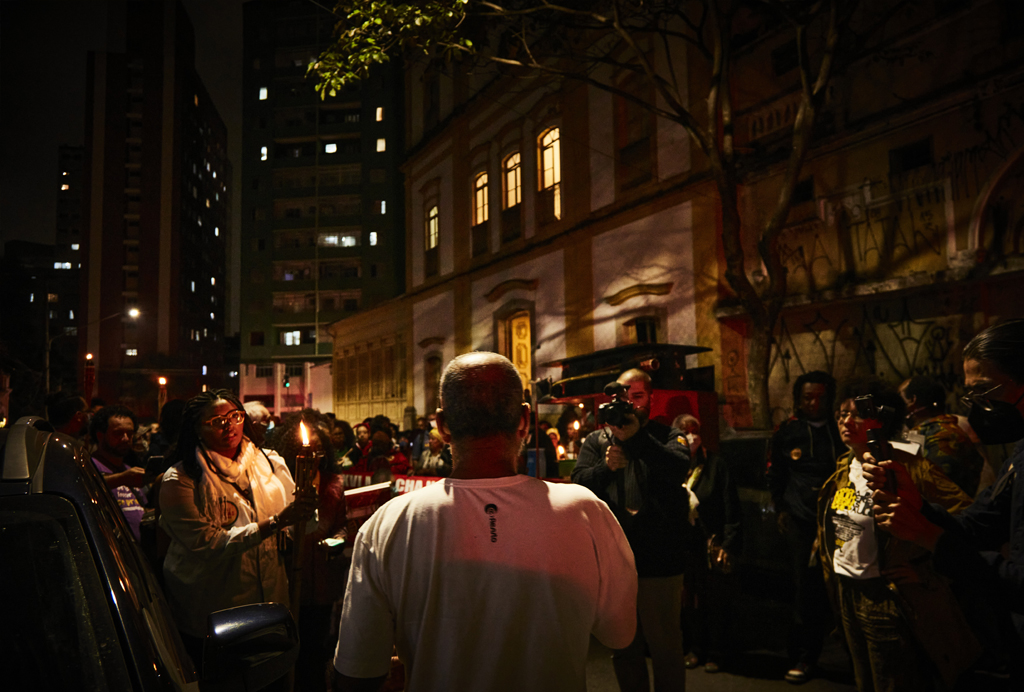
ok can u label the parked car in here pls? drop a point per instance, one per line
(79, 605)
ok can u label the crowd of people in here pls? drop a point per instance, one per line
(899, 533)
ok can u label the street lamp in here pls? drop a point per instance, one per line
(161, 396)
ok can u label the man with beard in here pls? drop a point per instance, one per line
(639, 469)
(68, 414)
(113, 430)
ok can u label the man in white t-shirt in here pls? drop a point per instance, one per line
(486, 580)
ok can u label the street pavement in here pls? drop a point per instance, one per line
(751, 670)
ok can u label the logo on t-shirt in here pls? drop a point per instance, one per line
(491, 510)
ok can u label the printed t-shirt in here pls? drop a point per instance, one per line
(856, 549)
(130, 500)
(487, 584)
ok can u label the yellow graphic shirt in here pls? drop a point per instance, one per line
(856, 549)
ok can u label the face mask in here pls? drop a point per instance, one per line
(693, 439)
(1000, 424)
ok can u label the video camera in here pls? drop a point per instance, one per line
(615, 411)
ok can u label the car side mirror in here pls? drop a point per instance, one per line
(249, 647)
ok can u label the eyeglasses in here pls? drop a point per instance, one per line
(982, 399)
(843, 416)
(234, 418)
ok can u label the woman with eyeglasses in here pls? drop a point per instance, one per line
(223, 503)
(892, 605)
(994, 380)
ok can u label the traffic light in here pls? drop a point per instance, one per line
(286, 383)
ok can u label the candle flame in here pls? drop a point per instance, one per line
(561, 450)
(304, 433)
(575, 425)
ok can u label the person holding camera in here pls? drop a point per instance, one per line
(994, 380)
(638, 466)
(899, 616)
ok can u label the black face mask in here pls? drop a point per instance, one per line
(1000, 424)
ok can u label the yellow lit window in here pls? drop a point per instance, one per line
(513, 189)
(480, 199)
(431, 228)
(550, 177)
(380, 113)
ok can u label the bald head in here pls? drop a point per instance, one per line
(481, 396)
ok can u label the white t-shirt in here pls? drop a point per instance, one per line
(487, 584)
(856, 549)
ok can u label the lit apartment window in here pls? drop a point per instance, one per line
(31, 297)
(380, 113)
(71, 314)
(480, 199)
(513, 188)
(199, 221)
(263, 93)
(204, 369)
(382, 144)
(216, 231)
(263, 153)
(431, 228)
(213, 281)
(551, 168)
(331, 148)
(215, 175)
(65, 172)
(62, 265)
(292, 338)
(373, 237)
(212, 316)
(193, 286)
(74, 246)
(338, 240)
(207, 202)
(381, 206)
(65, 187)
(195, 99)
(131, 351)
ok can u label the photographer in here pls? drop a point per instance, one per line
(899, 616)
(638, 467)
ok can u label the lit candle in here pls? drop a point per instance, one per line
(304, 433)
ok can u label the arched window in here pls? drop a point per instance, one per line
(480, 188)
(513, 187)
(550, 174)
(431, 237)
(431, 228)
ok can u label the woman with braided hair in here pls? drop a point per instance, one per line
(223, 503)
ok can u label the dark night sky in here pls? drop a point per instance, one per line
(43, 46)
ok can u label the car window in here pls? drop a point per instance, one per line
(151, 632)
(57, 630)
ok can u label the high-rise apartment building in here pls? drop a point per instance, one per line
(322, 201)
(156, 217)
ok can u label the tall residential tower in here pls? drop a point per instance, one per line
(322, 200)
(156, 217)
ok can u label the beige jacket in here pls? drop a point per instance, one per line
(217, 559)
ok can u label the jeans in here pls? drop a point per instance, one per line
(658, 602)
(882, 649)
